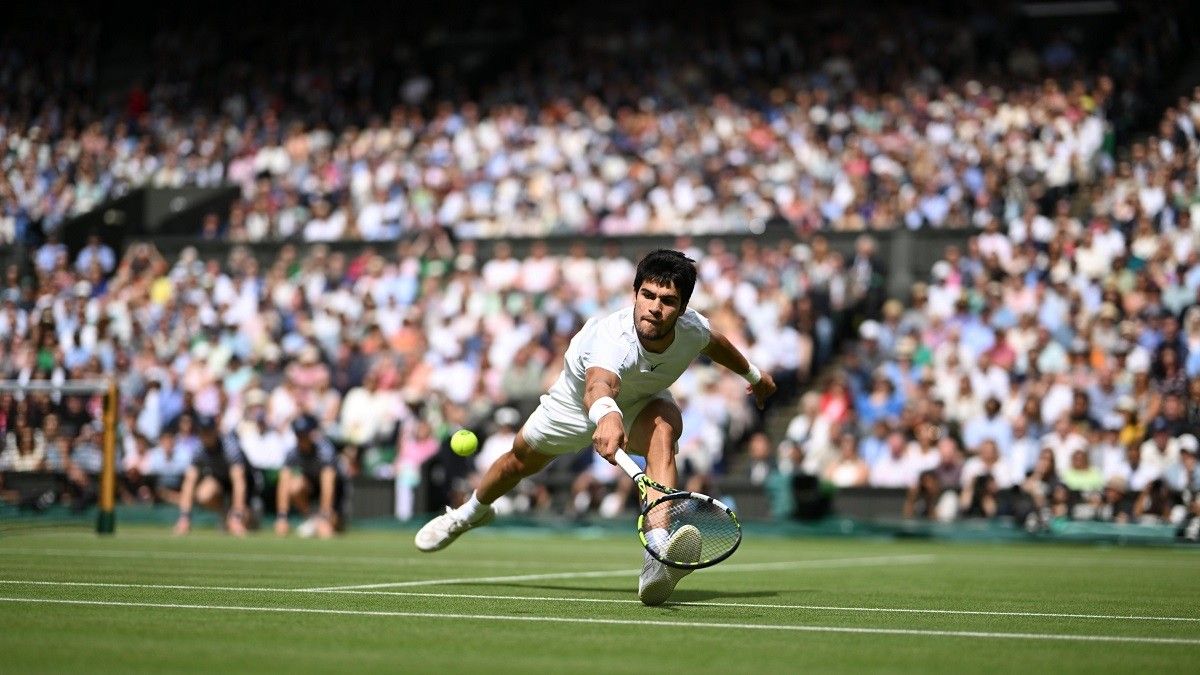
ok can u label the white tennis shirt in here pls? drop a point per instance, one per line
(611, 343)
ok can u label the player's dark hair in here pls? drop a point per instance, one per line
(665, 266)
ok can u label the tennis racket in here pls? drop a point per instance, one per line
(678, 514)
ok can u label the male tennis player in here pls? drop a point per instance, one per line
(613, 394)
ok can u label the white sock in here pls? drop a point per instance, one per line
(473, 509)
(657, 539)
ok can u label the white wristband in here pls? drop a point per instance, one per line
(602, 407)
(753, 375)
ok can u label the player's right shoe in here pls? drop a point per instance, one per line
(658, 580)
(443, 530)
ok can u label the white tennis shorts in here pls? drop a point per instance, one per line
(556, 428)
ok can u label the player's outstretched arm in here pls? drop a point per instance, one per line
(722, 351)
(600, 391)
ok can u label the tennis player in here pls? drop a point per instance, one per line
(613, 393)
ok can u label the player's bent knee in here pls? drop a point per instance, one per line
(667, 427)
(663, 417)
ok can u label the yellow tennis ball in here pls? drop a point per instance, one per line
(464, 443)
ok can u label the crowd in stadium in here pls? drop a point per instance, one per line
(616, 132)
(389, 350)
(1050, 368)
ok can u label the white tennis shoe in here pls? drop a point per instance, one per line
(440, 532)
(658, 580)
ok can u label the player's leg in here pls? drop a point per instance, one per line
(504, 474)
(654, 433)
(544, 435)
(501, 477)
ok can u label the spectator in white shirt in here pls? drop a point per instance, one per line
(990, 426)
(264, 446)
(1160, 450)
(1135, 473)
(539, 272)
(1031, 226)
(1063, 441)
(502, 271)
(899, 467)
(327, 224)
(987, 461)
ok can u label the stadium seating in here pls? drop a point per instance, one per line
(1071, 298)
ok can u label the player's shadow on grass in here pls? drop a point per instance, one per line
(681, 595)
(703, 595)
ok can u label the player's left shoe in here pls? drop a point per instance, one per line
(440, 532)
(658, 581)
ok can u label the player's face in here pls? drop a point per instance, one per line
(655, 310)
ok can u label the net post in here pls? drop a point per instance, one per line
(106, 519)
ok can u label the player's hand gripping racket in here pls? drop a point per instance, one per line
(661, 520)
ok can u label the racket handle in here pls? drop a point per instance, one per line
(627, 464)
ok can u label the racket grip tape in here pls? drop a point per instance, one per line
(627, 464)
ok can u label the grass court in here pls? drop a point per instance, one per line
(525, 600)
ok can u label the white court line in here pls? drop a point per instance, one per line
(282, 557)
(629, 622)
(726, 567)
(540, 598)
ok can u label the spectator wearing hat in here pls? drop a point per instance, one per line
(311, 472)
(217, 480)
(1132, 428)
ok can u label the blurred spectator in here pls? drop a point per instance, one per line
(167, 463)
(898, 468)
(848, 470)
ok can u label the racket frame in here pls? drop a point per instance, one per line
(645, 483)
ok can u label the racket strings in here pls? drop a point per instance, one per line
(718, 532)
